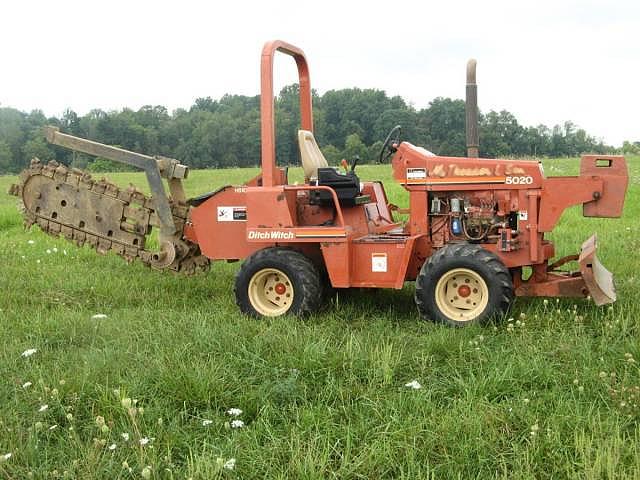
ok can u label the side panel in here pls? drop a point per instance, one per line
(380, 264)
(270, 207)
(371, 264)
(219, 227)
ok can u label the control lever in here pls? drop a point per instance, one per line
(356, 159)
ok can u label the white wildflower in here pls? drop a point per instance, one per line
(237, 424)
(98, 316)
(206, 423)
(43, 408)
(6, 457)
(125, 436)
(29, 352)
(229, 464)
(112, 446)
(55, 249)
(48, 251)
(30, 242)
(26, 384)
(413, 384)
(144, 441)
(234, 412)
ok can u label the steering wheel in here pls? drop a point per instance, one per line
(388, 148)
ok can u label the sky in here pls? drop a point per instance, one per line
(544, 61)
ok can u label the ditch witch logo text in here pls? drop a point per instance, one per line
(272, 235)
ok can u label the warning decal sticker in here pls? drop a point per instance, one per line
(232, 214)
(379, 262)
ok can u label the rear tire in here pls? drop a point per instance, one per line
(463, 284)
(277, 281)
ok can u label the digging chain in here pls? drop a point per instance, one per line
(68, 202)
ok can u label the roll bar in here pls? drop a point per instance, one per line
(267, 117)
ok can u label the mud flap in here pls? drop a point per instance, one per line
(597, 279)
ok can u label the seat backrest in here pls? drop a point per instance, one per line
(312, 157)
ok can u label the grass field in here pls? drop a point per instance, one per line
(553, 396)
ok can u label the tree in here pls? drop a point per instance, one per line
(37, 148)
(354, 148)
(6, 158)
(226, 132)
(332, 155)
(443, 126)
(629, 148)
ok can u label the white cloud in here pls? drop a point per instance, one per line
(545, 61)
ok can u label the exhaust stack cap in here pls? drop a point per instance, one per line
(471, 71)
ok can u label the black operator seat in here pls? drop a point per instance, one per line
(318, 172)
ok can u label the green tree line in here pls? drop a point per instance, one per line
(226, 132)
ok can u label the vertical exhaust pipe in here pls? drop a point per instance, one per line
(471, 110)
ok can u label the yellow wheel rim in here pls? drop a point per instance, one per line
(270, 292)
(461, 294)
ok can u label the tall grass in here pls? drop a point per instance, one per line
(552, 396)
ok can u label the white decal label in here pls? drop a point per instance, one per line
(270, 235)
(520, 180)
(379, 262)
(232, 214)
(416, 173)
(523, 215)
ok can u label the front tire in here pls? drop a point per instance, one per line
(463, 284)
(276, 281)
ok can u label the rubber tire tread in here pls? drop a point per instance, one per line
(474, 257)
(301, 271)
